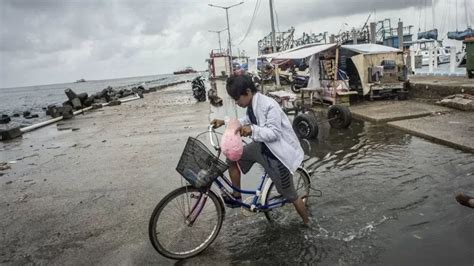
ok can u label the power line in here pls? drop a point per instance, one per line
(255, 11)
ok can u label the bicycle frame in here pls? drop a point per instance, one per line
(255, 205)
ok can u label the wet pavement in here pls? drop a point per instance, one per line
(85, 196)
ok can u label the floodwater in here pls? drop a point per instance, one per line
(387, 198)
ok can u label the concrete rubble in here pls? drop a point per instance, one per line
(463, 102)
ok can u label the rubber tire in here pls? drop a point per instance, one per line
(157, 211)
(305, 122)
(344, 116)
(265, 194)
(295, 89)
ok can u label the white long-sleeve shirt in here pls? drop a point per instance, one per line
(274, 129)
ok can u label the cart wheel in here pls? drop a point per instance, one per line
(339, 116)
(294, 88)
(305, 126)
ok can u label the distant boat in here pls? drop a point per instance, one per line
(80, 80)
(187, 70)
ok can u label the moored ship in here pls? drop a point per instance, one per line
(187, 70)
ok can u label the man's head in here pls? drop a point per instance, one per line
(241, 89)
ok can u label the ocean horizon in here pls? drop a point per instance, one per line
(35, 98)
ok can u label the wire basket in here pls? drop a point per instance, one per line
(198, 165)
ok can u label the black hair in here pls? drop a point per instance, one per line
(238, 85)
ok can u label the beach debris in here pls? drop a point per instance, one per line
(4, 166)
(32, 116)
(23, 198)
(10, 131)
(213, 98)
(5, 119)
(464, 102)
(28, 156)
(114, 102)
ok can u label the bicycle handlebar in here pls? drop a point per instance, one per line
(211, 133)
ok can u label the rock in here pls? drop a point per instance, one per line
(16, 115)
(5, 119)
(89, 101)
(53, 111)
(463, 102)
(96, 105)
(76, 103)
(67, 112)
(26, 113)
(82, 97)
(10, 132)
(70, 94)
(99, 101)
(115, 102)
(126, 93)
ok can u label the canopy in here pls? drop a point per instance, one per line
(370, 48)
(301, 53)
(268, 56)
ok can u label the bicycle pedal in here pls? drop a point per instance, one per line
(246, 212)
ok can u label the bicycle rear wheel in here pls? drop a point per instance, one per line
(282, 214)
(185, 222)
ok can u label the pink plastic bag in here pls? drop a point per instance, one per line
(231, 143)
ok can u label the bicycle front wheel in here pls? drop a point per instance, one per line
(185, 222)
(282, 214)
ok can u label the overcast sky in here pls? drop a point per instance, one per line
(44, 42)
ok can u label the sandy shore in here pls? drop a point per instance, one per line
(82, 191)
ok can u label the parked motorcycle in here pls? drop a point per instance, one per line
(298, 81)
(286, 79)
(199, 89)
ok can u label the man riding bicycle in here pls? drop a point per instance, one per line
(275, 145)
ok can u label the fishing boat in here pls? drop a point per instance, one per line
(186, 70)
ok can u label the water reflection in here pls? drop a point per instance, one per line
(380, 187)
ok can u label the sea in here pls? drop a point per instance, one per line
(35, 99)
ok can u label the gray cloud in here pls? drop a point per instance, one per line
(143, 36)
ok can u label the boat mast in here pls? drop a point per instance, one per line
(433, 12)
(467, 14)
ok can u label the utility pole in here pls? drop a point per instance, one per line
(274, 49)
(219, 36)
(228, 29)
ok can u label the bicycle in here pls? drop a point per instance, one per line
(187, 220)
